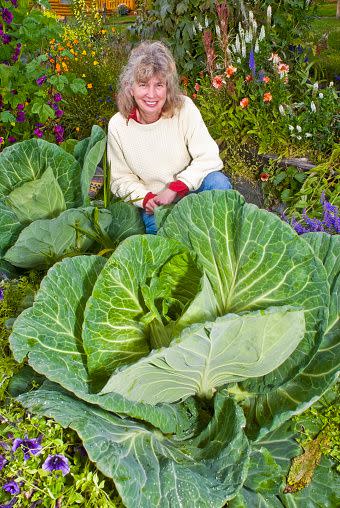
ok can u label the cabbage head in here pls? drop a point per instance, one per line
(180, 359)
(44, 202)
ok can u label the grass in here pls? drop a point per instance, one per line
(326, 9)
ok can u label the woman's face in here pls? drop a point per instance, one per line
(150, 98)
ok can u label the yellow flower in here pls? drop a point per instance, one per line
(113, 29)
(95, 62)
(84, 52)
(89, 85)
(103, 31)
(93, 53)
(77, 129)
(83, 75)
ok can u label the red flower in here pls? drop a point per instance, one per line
(244, 102)
(266, 79)
(264, 177)
(249, 78)
(194, 96)
(197, 87)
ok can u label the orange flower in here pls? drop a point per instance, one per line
(217, 82)
(89, 85)
(230, 71)
(249, 78)
(58, 68)
(267, 97)
(244, 103)
(264, 177)
(197, 87)
(194, 96)
(184, 80)
(75, 41)
(266, 79)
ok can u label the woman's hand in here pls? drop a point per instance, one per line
(165, 197)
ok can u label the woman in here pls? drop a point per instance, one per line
(159, 148)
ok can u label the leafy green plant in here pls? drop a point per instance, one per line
(44, 196)
(31, 86)
(162, 354)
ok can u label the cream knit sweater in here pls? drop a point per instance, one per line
(147, 157)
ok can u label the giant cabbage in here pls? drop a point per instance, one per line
(180, 357)
(45, 208)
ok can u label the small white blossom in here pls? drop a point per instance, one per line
(233, 48)
(282, 110)
(241, 30)
(316, 86)
(198, 24)
(244, 49)
(331, 84)
(312, 107)
(321, 95)
(251, 16)
(238, 60)
(298, 128)
(206, 22)
(237, 44)
(194, 31)
(269, 14)
(291, 128)
(254, 26)
(262, 33)
(299, 137)
(248, 37)
(257, 47)
(308, 135)
(218, 31)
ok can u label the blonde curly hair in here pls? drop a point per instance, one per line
(147, 60)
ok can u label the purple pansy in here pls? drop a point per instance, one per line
(56, 463)
(29, 446)
(20, 107)
(59, 113)
(6, 39)
(57, 97)
(21, 117)
(38, 132)
(3, 460)
(11, 139)
(12, 487)
(59, 133)
(41, 80)
(7, 15)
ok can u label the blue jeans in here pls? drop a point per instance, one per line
(213, 181)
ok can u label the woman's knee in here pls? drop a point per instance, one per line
(216, 181)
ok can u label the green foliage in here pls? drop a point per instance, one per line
(323, 179)
(122, 10)
(83, 486)
(29, 81)
(18, 295)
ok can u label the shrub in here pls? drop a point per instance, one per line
(123, 10)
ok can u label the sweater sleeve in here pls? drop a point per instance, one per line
(124, 183)
(202, 148)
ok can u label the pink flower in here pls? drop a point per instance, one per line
(282, 69)
(244, 103)
(275, 58)
(266, 79)
(249, 78)
(197, 87)
(217, 82)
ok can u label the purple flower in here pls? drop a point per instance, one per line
(57, 97)
(7, 16)
(1, 140)
(29, 446)
(6, 39)
(11, 139)
(3, 460)
(59, 113)
(252, 65)
(56, 463)
(16, 53)
(38, 132)
(12, 487)
(41, 80)
(20, 107)
(14, 3)
(54, 106)
(21, 117)
(39, 124)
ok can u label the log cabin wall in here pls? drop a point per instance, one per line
(64, 7)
